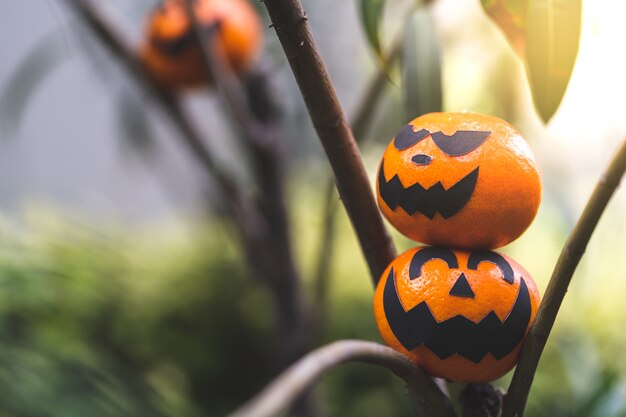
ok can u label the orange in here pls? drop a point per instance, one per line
(459, 314)
(459, 179)
(170, 54)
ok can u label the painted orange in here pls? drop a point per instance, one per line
(492, 293)
(176, 67)
(507, 193)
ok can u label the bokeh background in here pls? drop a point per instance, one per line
(121, 294)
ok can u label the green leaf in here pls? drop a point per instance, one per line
(421, 66)
(552, 38)
(371, 17)
(47, 54)
(510, 16)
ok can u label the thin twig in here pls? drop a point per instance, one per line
(281, 392)
(290, 22)
(326, 249)
(264, 143)
(365, 109)
(225, 81)
(515, 400)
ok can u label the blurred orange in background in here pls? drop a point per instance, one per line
(171, 54)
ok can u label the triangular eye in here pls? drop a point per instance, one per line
(460, 143)
(407, 137)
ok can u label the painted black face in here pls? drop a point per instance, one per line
(458, 334)
(460, 143)
(436, 199)
(178, 45)
(407, 137)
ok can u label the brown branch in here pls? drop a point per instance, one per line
(361, 121)
(290, 22)
(264, 143)
(226, 82)
(281, 392)
(480, 400)
(515, 400)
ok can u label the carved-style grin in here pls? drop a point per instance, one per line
(429, 202)
(459, 335)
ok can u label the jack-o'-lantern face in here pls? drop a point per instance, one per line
(461, 315)
(171, 54)
(459, 179)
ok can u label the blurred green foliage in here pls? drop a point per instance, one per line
(166, 321)
(126, 325)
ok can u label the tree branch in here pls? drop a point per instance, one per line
(361, 120)
(515, 400)
(480, 400)
(265, 145)
(226, 83)
(281, 392)
(290, 22)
